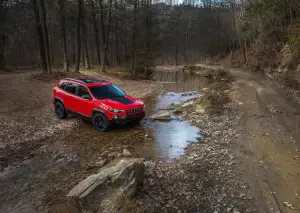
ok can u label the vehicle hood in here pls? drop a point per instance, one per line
(125, 102)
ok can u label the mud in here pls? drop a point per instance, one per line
(39, 167)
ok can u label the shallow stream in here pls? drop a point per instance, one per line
(152, 138)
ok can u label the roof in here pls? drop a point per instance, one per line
(87, 81)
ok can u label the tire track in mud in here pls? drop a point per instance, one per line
(271, 157)
(269, 130)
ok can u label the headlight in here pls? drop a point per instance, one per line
(116, 110)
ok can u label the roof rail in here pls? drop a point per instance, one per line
(86, 80)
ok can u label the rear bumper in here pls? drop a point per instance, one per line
(129, 118)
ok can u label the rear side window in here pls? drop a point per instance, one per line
(71, 88)
(63, 86)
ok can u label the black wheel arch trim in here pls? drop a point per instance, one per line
(58, 99)
(96, 110)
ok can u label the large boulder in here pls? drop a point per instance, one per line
(122, 180)
(163, 115)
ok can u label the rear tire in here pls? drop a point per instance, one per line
(60, 110)
(100, 122)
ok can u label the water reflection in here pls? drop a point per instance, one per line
(171, 138)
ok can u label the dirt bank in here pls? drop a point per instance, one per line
(247, 161)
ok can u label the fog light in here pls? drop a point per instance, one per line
(115, 117)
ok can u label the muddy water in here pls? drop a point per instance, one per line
(152, 138)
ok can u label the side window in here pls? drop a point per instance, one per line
(71, 88)
(63, 86)
(82, 91)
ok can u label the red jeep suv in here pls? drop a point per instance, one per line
(97, 100)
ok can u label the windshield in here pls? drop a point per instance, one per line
(107, 91)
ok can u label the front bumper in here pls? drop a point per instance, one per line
(128, 118)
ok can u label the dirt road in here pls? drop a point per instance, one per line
(42, 158)
(268, 141)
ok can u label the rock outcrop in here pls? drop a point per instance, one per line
(123, 180)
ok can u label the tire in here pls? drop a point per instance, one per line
(60, 110)
(100, 122)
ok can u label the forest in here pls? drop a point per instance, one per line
(138, 34)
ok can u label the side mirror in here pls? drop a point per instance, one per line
(87, 97)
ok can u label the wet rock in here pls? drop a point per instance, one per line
(112, 154)
(188, 104)
(289, 205)
(178, 111)
(126, 153)
(200, 110)
(150, 166)
(124, 179)
(101, 162)
(161, 115)
(105, 153)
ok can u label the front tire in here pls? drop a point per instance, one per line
(60, 110)
(100, 122)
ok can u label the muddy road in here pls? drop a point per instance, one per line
(268, 141)
(42, 157)
(250, 161)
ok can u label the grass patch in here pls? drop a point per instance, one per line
(216, 96)
(116, 201)
(219, 75)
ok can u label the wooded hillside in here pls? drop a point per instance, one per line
(137, 34)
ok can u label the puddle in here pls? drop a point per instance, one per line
(151, 138)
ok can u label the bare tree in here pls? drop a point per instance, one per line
(40, 35)
(63, 33)
(95, 26)
(107, 33)
(134, 34)
(102, 26)
(85, 46)
(78, 39)
(46, 35)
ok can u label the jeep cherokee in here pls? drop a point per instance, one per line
(96, 100)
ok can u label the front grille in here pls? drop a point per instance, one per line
(135, 111)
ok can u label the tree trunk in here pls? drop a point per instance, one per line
(3, 36)
(106, 62)
(83, 56)
(40, 35)
(102, 24)
(85, 46)
(73, 41)
(95, 25)
(116, 37)
(91, 45)
(63, 33)
(176, 54)
(46, 36)
(78, 45)
(245, 52)
(133, 53)
(2, 50)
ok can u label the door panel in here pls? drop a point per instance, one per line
(69, 96)
(83, 106)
